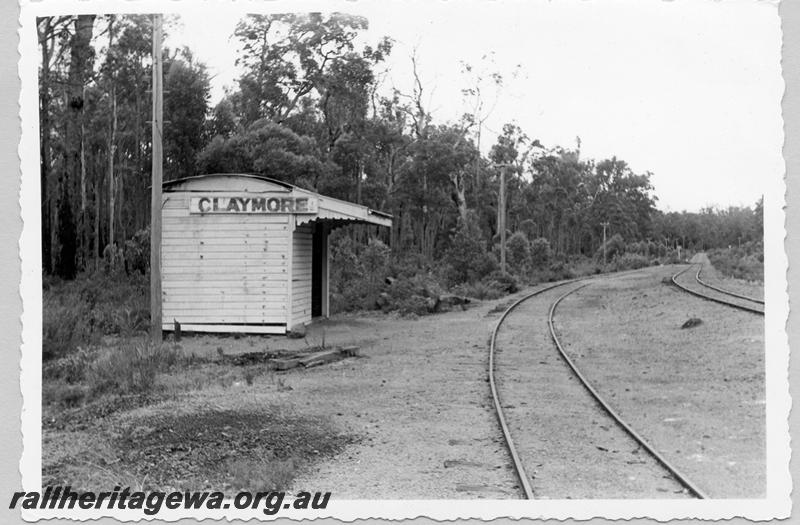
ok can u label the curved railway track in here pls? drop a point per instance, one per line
(518, 464)
(717, 294)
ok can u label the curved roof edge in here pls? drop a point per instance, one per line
(174, 182)
(369, 211)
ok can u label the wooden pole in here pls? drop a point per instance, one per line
(502, 221)
(155, 201)
(604, 225)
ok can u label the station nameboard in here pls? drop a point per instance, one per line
(267, 204)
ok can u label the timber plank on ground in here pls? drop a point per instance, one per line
(316, 358)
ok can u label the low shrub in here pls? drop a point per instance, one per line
(745, 262)
(71, 368)
(540, 252)
(136, 252)
(671, 257)
(518, 253)
(79, 312)
(629, 261)
(63, 394)
(503, 282)
(65, 326)
(130, 367)
(559, 271)
(415, 295)
(479, 290)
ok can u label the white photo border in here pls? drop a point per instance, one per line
(776, 504)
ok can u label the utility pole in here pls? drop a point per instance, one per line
(155, 201)
(502, 221)
(501, 213)
(604, 225)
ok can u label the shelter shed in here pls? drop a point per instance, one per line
(249, 254)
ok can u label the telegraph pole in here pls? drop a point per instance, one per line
(604, 225)
(502, 219)
(155, 201)
(501, 212)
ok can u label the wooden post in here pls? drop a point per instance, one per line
(604, 225)
(326, 271)
(155, 201)
(502, 219)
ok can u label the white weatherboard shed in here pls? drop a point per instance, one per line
(242, 253)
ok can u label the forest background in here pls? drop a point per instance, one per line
(309, 110)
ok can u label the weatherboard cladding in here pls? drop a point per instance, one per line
(217, 270)
(232, 261)
(301, 274)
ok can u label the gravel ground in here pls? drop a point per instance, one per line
(415, 414)
(697, 394)
(569, 445)
(421, 396)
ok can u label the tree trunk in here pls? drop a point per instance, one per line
(123, 231)
(111, 182)
(459, 185)
(79, 70)
(44, 145)
(111, 148)
(96, 249)
(82, 221)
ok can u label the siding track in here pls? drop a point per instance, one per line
(591, 409)
(716, 294)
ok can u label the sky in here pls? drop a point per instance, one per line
(689, 90)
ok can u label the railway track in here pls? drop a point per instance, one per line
(716, 294)
(587, 411)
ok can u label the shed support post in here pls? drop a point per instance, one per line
(326, 272)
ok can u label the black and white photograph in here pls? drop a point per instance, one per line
(398, 259)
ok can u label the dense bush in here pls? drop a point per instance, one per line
(81, 311)
(613, 247)
(467, 259)
(518, 253)
(540, 252)
(358, 272)
(411, 295)
(137, 252)
(629, 261)
(743, 262)
(559, 271)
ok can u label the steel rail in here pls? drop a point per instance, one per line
(519, 468)
(722, 290)
(680, 477)
(710, 298)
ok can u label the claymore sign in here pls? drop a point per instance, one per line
(260, 203)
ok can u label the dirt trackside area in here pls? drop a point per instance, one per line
(697, 394)
(410, 417)
(414, 404)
